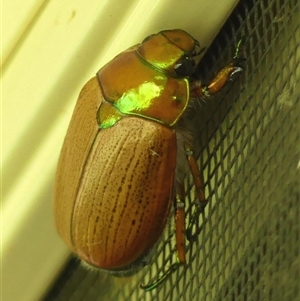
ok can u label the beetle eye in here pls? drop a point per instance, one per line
(185, 67)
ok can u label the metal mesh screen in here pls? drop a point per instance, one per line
(247, 246)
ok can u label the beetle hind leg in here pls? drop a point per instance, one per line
(180, 231)
(180, 238)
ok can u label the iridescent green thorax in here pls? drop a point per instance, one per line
(142, 80)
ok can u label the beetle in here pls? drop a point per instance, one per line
(119, 170)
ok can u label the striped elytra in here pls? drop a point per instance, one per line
(115, 178)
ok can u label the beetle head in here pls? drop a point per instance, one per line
(170, 51)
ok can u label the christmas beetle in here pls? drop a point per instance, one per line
(120, 170)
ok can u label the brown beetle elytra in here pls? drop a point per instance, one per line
(118, 171)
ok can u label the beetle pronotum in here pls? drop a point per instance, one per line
(119, 172)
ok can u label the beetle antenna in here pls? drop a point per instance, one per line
(149, 287)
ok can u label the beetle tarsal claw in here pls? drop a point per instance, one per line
(235, 71)
(162, 278)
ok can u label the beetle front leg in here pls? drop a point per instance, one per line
(220, 80)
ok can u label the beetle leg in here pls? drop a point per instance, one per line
(199, 185)
(222, 77)
(180, 217)
(180, 238)
(197, 177)
(180, 222)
